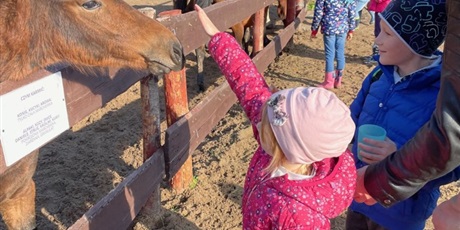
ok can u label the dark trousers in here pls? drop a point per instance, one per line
(358, 221)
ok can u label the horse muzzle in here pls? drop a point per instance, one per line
(175, 61)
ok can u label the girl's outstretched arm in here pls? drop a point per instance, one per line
(242, 75)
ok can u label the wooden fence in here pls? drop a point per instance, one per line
(85, 94)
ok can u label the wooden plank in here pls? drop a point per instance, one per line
(85, 94)
(8, 86)
(187, 133)
(119, 208)
(189, 31)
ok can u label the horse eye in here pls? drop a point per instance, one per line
(91, 5)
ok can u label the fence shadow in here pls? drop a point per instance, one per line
(80, 167)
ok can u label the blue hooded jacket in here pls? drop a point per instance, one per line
(401, 109)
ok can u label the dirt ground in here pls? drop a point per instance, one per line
(82, 165)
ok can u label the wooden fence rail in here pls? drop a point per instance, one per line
(85, 94)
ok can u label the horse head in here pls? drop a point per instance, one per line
(83, 33)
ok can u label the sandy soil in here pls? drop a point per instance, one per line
(86, 162)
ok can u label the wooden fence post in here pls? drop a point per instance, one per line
(151, 129)
(150, 99)
(291, 12)
(258, 32)
(176, 100)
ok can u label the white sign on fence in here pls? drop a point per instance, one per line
(31, 116)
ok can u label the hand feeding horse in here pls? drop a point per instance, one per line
(83, 33)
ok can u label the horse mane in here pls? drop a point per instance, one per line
(23, 49)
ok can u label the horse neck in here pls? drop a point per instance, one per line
(21, 43)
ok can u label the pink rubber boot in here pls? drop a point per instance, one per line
(328, 81)
(338, 79)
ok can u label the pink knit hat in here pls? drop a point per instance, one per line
(310, 124)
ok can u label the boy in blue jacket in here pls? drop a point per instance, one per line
(400, 95)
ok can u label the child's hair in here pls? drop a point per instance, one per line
(420, 24)
(304, 125)
(268, 137)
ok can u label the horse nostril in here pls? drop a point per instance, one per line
(178, 55)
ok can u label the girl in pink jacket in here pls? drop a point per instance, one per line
(302, 174)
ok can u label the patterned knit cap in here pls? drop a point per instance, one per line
(310, 124)
(421, 24)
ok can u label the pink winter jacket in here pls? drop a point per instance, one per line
(377, 5)
(280, 203)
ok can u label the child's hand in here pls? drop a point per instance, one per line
(349, 36)
(313, 34)
(361, 195)
(374, 151)
(208, 26)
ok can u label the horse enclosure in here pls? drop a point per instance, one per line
(84, 94)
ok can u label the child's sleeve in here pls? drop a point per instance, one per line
(241, 73)
(352, 16)
(318, 15)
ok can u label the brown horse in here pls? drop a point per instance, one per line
(36, 33)
(83, 33)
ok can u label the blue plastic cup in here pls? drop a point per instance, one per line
(370, 131)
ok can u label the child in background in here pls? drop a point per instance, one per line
(360, 4)
(400, 95)
(377, 6)
(337, 21)
(302, 174)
